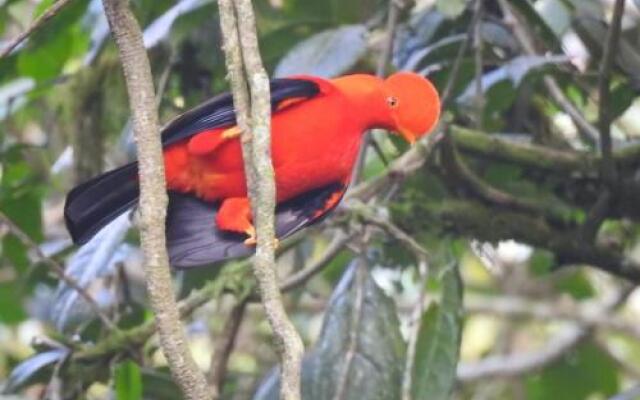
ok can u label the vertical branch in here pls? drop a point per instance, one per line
(153, 199)
(604, 91)
(393, 14)
(479, 100)
(253, 111)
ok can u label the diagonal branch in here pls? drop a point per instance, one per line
(57, 269)
(153, 199)
(37, 24)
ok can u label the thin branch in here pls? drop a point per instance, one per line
(57, 269)
(515, 365)
(519, 364)
(604, 91)
(479, 100)
(584, 314)
(35, 25)
(302, 276)
(253, 113)
(153, 199)
(224, 347)
(393, 14)
(522, 35)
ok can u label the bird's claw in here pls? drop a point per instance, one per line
(252, 240)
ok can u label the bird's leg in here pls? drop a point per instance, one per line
(231, 133)
(234, 215)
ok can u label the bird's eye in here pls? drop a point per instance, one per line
(392, 101)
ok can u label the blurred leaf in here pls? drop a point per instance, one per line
(537, 24)
(418, 33)
(451, 8)
(515, 71)
(577, 285)
(49, 49)
(159, 29)
(128, 381)
(327, 54)
(438, 346)
(159, 385)
(585, 373)
(594, 31)
(95, 259)
(31, 369)
(361, 328)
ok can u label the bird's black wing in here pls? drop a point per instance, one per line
(219, 112)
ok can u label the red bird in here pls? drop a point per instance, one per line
(317, 130)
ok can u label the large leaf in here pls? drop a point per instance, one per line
(438, 345)
(360, 351)
(515, 71)
(30, 369)
(95, 259)
(128, 381)
(327, 54)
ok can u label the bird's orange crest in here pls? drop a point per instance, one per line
(415, 104)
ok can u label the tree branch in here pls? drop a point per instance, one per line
(153, 199)
(253, 113)
(57, 269)
(35, 25)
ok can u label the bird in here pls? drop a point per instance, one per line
(317, 130)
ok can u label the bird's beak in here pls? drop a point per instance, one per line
(407, 135)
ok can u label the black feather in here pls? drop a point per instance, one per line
(93, 204)
(219, 112)
(194, 240)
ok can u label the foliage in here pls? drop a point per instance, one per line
(511, 194)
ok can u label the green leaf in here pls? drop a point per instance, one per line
(539, 26)
(438, 346)
(585, 373)
(360, 329)
(576, 285)
(451, 8)
(128, 381)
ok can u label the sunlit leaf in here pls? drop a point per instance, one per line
(128, 381)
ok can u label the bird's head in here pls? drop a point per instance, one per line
(413, 103)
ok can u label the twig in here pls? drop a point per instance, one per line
(589, 132)
(153, 199)
(520, 364)
(416, 322)
(224, 347)
(57, 269)
(35, 25)
(585, 314)
(354, 329)
(393, 14)
(302, 276)
(253, 113)
(598, 213)
(479, 100)
(604, 91)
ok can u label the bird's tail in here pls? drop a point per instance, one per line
(93, 204)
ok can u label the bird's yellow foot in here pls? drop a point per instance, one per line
(252, 241)
(231, 133)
